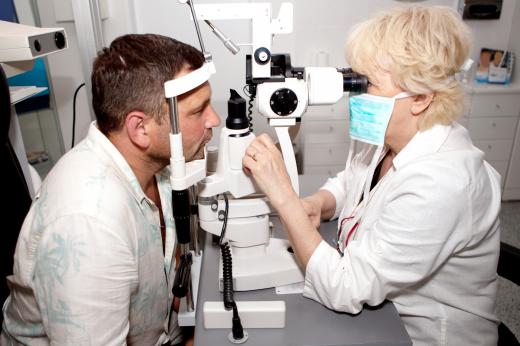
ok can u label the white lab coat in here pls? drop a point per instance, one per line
(428, 241)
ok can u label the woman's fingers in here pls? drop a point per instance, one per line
(266, 141)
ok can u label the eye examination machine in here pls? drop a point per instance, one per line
(229, 203)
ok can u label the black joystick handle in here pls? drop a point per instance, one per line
(182, 276)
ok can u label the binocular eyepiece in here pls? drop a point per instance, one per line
(353, 82)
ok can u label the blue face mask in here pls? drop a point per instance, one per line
(369, 116)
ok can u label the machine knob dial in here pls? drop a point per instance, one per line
(283, 102)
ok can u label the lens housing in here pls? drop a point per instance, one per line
(354, 82)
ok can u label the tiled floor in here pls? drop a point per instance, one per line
(508, 292)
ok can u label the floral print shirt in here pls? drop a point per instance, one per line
(89, 264)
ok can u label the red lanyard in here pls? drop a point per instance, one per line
(350, 232)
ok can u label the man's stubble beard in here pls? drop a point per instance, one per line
(199, 153)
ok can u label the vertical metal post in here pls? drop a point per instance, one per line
(87, 20)
(174, 114)
(194, 220)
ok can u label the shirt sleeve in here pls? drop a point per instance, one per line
(421, 224)
(83, 278)
(337, 187)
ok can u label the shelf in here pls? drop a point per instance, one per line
(484, 88)
(20, 93)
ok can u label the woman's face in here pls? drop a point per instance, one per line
(381, 84)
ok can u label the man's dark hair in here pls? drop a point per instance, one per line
(129, 76)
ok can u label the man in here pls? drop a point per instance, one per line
(93, 263)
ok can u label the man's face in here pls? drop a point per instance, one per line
(196, 119)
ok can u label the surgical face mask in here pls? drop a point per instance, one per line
(369, 116)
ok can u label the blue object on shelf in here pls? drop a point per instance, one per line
(7, 11)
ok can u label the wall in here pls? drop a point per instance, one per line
(319, 26)
(493, 33)
(65, 67)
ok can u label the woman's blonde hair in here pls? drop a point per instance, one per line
(422, 48)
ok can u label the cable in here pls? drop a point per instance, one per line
(227, 276)
(237, 331)
(250, 91)
(227, 262)
(74, 112)
(224, 224)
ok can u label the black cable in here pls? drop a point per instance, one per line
(227, 262)
(227, 278)
(74, 112)
(224, 224)
(250, 91)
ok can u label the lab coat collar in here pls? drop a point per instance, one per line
(423, 143)
(103, 145)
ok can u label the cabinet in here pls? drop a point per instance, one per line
(512, 185)
(325, 142)
(492, 119)
(492, 122)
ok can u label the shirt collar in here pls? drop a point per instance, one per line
(423, 143)
(99, 141)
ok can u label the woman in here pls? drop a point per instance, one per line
(418, 207)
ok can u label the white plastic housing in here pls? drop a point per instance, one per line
(262, 26)
(237, 149)
(229, 177)
(20, 42)
(242, 231)
(325, 85)
(190, 81)
(253, 314)
(182, 174)
(263, 266)
(265, 90)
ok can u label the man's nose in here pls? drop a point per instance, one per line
(213, 119)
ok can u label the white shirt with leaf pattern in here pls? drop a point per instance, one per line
(89, 264)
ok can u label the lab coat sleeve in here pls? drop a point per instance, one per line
(423, 221)
(337, 187)
(83, 277)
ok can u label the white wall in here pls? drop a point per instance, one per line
(514, 41)
(319, 26)
(65, 67)
(495, 33)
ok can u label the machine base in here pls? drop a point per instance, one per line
(253, 314)
(275, 266)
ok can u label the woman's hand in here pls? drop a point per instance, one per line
(265, 163)
(312, 206)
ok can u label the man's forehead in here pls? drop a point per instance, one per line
(197, 96)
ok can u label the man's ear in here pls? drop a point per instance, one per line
(135, 126)
(421, 103)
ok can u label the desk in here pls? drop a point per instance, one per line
(307, 321)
